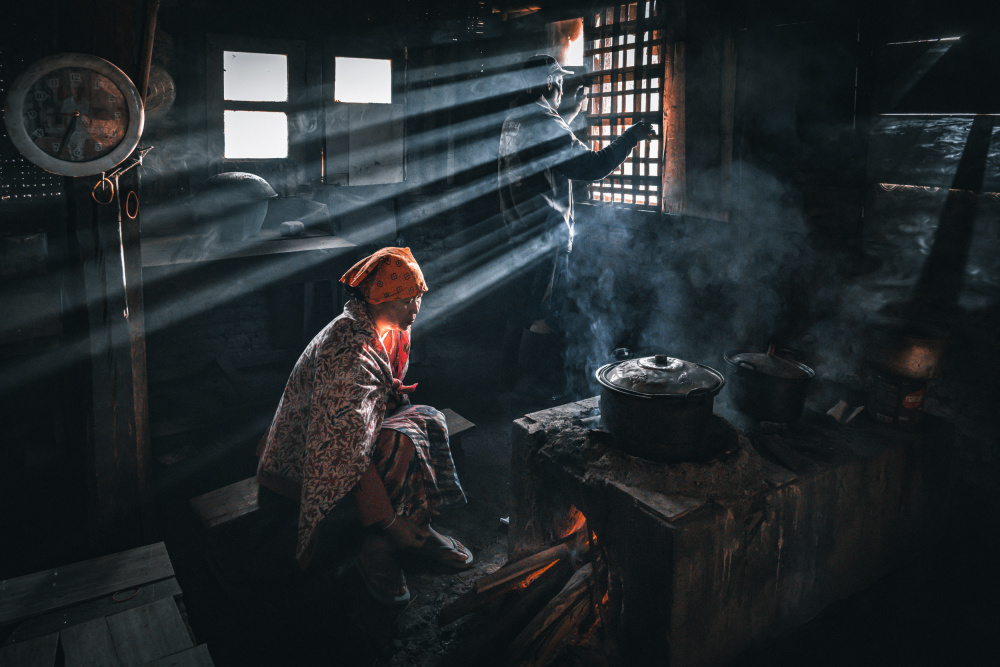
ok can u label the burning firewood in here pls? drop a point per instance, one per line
(482, 647)
(546, 632)
(511, 577)
(522, 568)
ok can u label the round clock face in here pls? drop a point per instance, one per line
(74, 114)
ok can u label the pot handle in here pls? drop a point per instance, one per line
(743, 363)
(697, 392)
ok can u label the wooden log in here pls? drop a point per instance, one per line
(474, 600)
(522, 568)
(503, 581)
(481, 648)
(543, 636)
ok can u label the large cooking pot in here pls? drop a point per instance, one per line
(768, 387)
(658, 407)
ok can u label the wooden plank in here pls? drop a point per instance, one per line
(149, 632)
(668, 508)
(226, 504)
(456, 423)
(37, 652)
(193, 657)
(98, 608)
(89, 644)
(34, 594)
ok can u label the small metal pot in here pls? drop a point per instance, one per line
(659, 407)
(912, 351)
(768, 387)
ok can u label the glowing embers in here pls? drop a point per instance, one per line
(255, 134)
(532, 577)
(255, 77)
(573, 522)
(363, 81)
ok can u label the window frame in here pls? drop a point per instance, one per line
(337, 115)
(299, 151)
(641, 73)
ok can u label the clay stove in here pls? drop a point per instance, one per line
(707, 559)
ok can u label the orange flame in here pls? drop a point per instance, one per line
(575, 520)
(527, 582)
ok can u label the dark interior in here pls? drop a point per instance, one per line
(822, 169)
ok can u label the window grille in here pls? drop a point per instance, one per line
(624, 47)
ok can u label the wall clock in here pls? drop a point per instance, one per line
(74, 114)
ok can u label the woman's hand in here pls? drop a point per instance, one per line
(404, 533)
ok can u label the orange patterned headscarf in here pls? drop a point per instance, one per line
(387, 275)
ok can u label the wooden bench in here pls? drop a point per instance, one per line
(237, 529)
(120, 609)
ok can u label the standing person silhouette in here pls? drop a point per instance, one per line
(540, 157)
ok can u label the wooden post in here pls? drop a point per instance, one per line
(110, 267)
(674, 129)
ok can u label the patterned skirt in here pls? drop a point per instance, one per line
(413, 457)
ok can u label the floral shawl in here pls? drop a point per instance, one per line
(320, 440)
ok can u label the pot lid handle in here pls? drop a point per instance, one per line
(661, 362)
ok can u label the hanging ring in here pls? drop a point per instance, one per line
(129, 211)
(110, 188)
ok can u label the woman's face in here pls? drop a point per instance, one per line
(399, 314)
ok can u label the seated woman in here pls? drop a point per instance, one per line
(344, 430)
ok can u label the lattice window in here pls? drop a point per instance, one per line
(624, 46)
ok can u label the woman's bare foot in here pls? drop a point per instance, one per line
(446, 550)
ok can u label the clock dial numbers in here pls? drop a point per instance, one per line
(75, 114)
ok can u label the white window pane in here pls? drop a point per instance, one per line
(363, 80)
(255, 134)
(255, 77)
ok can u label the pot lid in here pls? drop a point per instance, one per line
(662, 375)
(768, 364)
